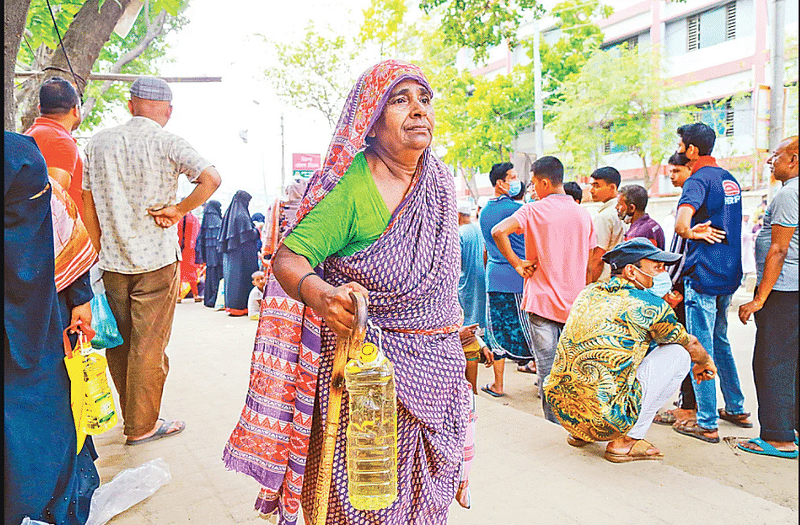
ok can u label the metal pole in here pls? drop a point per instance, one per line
(537, 91)
(126, 78)
(777, 60)
(283, 157)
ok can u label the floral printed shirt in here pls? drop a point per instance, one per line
(592, 386)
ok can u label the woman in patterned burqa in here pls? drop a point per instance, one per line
(379, 218)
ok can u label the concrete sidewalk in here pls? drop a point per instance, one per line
(524, 471)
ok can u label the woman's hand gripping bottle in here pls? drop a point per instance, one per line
(372, 431)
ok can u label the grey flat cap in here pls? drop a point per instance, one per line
(151, 88)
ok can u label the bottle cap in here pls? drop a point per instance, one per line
(369, 352)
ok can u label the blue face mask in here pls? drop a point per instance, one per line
(662, 284)
(514, 188)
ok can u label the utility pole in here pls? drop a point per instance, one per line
(538, 118)
(777, 60)
(283, 157)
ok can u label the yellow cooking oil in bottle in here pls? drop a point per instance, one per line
(372, 431)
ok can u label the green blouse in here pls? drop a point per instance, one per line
(350, 218)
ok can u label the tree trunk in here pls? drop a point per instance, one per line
(647, 181)
(15, 13)
(469, 178)
(154, 30)
(89, 31)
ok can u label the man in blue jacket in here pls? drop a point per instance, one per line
(710, 218)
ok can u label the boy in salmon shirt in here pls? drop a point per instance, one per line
(559, 236)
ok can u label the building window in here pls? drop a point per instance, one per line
(631, 43)
(718, 115)
(609, 146)
(711, 27)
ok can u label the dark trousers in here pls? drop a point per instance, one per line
(775, 366)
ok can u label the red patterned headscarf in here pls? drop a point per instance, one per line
(363, 107)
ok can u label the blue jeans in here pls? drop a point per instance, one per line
(545, 334)
(707, 319)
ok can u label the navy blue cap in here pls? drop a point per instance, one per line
(632, 251)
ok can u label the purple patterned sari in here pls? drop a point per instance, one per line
(412, 274)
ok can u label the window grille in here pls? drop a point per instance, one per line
(730, 21)
(693, 33)
(728, 119)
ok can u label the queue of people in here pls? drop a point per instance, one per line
(599, 384)
(611, 324)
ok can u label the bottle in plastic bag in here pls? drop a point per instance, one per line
(98, 411)
(372, 431)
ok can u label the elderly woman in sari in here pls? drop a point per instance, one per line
(380, 219)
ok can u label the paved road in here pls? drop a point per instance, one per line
(524, 472)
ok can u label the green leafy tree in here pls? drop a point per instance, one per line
(481, 24)
(384, 25)
(315, 73)
(579, 38)
(618, 98)
(478, 120)
(86, 27)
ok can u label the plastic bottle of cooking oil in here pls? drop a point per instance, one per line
(98, 411)
(372, 431)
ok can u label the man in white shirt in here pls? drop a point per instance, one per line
(130, 209)
(609, 228)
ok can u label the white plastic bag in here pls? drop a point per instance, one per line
(128, 488)
(27, 521)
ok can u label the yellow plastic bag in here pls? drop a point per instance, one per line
(74, 362)
(90, 396)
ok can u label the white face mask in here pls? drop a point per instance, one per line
(662, 284)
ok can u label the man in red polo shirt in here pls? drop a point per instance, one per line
(60, 108)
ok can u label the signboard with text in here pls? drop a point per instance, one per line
(305, 164)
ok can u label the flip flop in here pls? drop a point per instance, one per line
(692, 429)
(767, 449)
(160, 433)
(525, 369)
(491, 392)
(638, 452)
(576, 441)
(740, 420)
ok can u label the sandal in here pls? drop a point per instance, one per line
(740, 420)
(668, 417)
(638, 452)
(692, 429)
(162, 432)
(491, 392)
(767, 449)
(576, 441)
(527, 369)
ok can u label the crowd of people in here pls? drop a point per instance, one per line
(610, 322)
